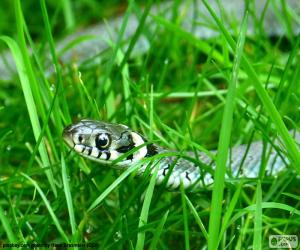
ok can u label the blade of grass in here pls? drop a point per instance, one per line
(151, 113)
(68, 14)
(264, 205)
(185, 219)
(229, 211)
(4, 136)
(297, 197)
(197, 218)
(65, 111)
(50, 100)
(68, 196)
(109, 100)
(83, 90)
(126, 82)
(158, 231)
(25, 83)
(285, 74)
(283, 17)
(223, 146)
(7, 227)
(258, 219)
(145, 209)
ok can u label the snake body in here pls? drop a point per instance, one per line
(106, 143)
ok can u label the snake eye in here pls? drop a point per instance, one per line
(102, 141)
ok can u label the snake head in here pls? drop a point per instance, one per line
(104, 142)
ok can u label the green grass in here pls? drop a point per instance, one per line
(185, 93)
(224, 142)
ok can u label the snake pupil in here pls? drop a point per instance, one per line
(102, 141)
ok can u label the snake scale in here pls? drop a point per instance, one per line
(106, 143)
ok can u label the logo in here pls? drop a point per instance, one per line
(283, 241)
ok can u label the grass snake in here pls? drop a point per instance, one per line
(107, 143)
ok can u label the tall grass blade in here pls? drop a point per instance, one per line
(185, 219)
(258, 219)
(68, 195)
(223, 146)
(7, 227)
(25, 83)
(158, 231)
(145, 210)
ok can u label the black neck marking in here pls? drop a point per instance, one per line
(151, 150)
